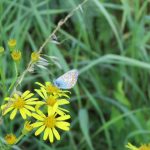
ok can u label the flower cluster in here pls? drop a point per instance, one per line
(15, 53)
(42, 110)
(55, 116)
(45, 111)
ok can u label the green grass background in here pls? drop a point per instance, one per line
(109, 43)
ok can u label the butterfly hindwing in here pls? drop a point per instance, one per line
(67, 80)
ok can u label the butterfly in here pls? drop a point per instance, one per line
(67, 80)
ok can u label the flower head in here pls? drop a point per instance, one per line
(51, 100)
(35, 56)
(145, 147)
(22, 103)
(12, 43)
(16, 55)
(27, 127)
(142, 147)
(10, 139)
(51, 89)
(38, 61)
(49, 123)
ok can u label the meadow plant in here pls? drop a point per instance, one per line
(109, 42)
(44, 113)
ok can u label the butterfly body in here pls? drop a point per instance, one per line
(67, 80)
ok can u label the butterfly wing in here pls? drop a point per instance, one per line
(67, 80)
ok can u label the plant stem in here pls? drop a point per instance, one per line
(31, 64)
(16, 76)
(19, 138)
(60, 23)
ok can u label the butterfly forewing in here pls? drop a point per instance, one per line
(67, 80)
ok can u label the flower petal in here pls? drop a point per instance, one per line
(35, 103)
(65, 117)
(6, 110)
(15, 96)
(48, 83)
(31, 99)
(27, 111)
(13, 114)
(38, 117)
(29, 107)
(63, 125)
(40, 130)
(46, 133)
(37, 124)
(38, 83)
(51, 137)
(25, 94)
(53, 110)
(63, 102)
(61, 113)
(49, 110)
(62, 109)
(40, 93)
(28, 96)
(23, 114)
(56, 133)
(3, 106)
(9, 99)
(44, 93)
(40, 113)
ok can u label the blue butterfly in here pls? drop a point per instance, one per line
(67, 80)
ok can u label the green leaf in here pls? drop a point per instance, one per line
(120, 95)
(84, 122)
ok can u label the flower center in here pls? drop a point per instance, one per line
(145, 147)
(50, 121)
(12, 42)
(19, 103)
(10, 139)
(16, 55)
(35, 56)
(51, 101)
(51, 89)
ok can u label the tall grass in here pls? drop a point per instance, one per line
(109, 43)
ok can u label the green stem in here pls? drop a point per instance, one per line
(19, 138)
(15, 79)
(2, 76)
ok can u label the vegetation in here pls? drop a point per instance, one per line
(109, 43)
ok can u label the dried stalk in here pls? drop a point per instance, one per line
(30, 64)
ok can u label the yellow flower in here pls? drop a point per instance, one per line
(51, 89)
(10, 139)
(22, 103)
(142, 147)
(12, 43)
(1, 50)
(27, 127)
(51, 100)
(35, 56)
(49, 123)
(16, 55)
